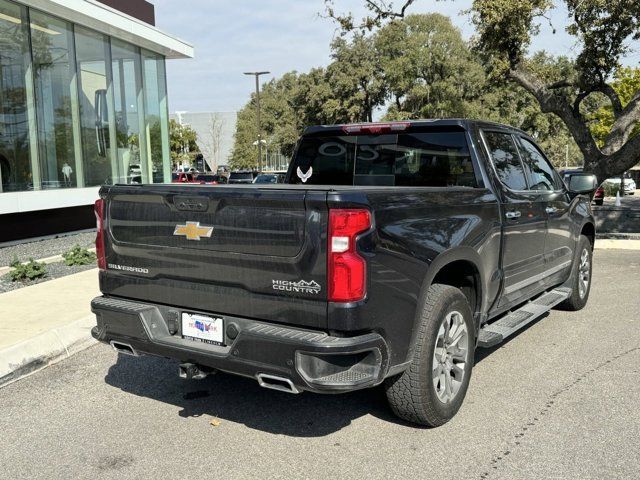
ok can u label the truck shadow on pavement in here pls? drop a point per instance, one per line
(240, 400)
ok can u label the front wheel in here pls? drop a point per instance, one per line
(580, 277)
(431, 390)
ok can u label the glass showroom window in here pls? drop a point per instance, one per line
(56, 101)
(129, 117)
(92, 52)
(15, 158)
(156, 121)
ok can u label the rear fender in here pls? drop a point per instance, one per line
(466, 254)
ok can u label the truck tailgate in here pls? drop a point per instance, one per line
(241, 250)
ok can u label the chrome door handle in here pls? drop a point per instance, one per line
(551, 210)
(513, 214)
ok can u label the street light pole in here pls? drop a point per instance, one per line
(257, 75)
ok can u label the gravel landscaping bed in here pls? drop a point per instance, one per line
(54, 270)
(45, 248)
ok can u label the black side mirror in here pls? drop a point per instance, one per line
(580, 183)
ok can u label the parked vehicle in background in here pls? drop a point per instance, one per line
(565, 173)
(598, 196)
(210, 179)
(392, 251)
(629, 184)
(182, 177)
(266, 178)
(241, 177)
(186, 169)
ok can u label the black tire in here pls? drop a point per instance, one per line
(598, 202)
(412, 395)
(579, 296)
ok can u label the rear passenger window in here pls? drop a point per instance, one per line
(541, 173)
(434, 159)
(506, 160)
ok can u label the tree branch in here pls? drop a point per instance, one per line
(609, 91)
(550, 102)
(561, 84)
(576, 104)
(619, 161)
(380, 10)
(623, 126)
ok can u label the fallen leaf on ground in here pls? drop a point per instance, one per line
(215, 422)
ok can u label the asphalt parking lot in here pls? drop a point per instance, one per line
(560, 400)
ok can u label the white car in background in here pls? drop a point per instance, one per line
(629, 184)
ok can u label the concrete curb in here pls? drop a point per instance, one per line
(609, 244)
(25, 358)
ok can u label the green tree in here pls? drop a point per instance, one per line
(182, 142)
(355, 77)
(428, 68)
(288, 105)
(245, 154)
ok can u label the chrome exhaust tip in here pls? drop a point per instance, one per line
(124, 348)
(275, 382)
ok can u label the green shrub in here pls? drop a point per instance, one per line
(610, 189)
(28, 271)
(78, 256)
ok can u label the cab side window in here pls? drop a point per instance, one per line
(505, 158)
(541, 173)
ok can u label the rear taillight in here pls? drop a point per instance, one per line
(347, 270)
(99, 211)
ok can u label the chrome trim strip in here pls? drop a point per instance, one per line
(535, 278)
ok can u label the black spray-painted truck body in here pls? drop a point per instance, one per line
(390, 253)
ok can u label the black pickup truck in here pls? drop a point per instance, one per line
(389, 254)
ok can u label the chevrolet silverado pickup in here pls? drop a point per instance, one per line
(391, 252)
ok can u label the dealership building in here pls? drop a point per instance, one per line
(83, 103)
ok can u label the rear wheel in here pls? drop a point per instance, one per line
(431, 390)
(580, 277)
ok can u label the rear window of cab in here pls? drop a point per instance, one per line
(421, 159)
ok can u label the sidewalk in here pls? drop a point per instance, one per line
(44, 323)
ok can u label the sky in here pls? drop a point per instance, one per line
(232, 37)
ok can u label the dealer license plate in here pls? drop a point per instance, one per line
(201, 328)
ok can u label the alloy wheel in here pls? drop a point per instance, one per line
(450, 356)
(584, 273)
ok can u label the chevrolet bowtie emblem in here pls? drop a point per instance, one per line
(193, 230)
